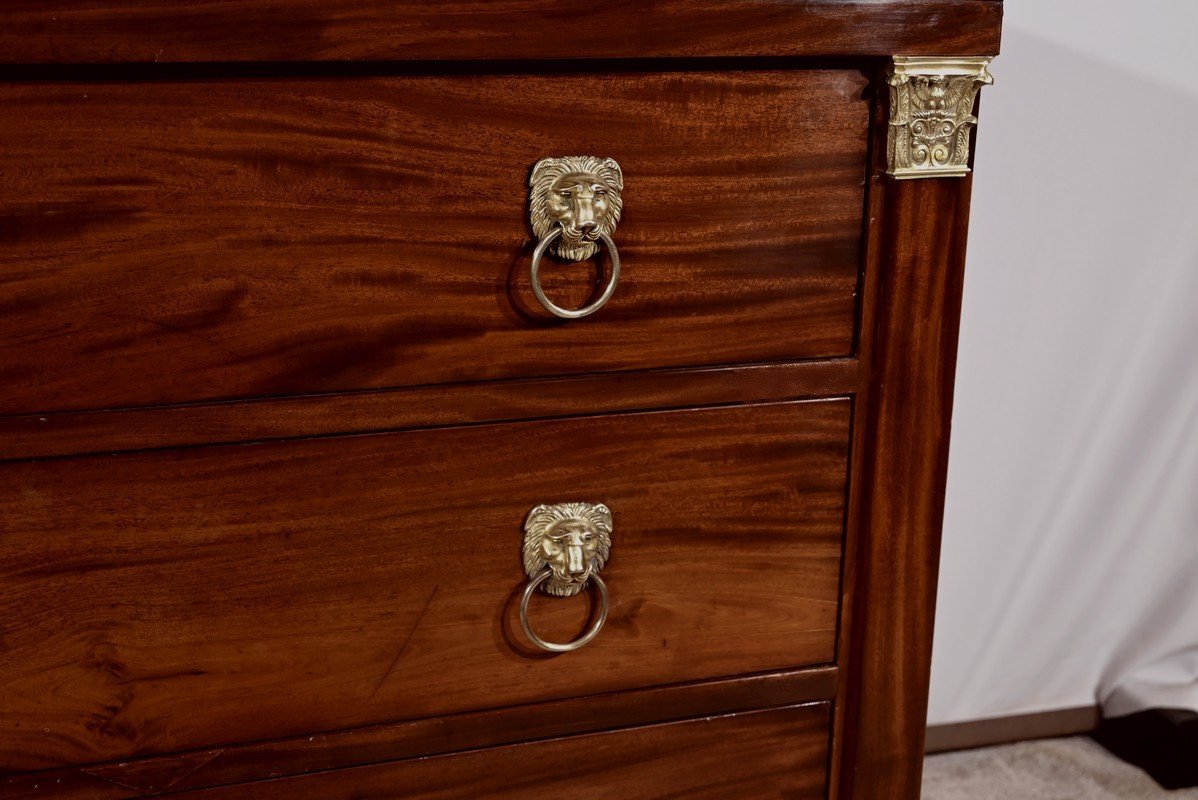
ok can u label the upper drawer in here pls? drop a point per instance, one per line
(165, 601)
(169, 241)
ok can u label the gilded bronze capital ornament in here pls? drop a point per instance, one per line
(565, 546)
(574, 204)
(931, 114)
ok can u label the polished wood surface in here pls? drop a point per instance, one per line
(278, 397)
(765, 755)
(913, 304)
(843, 752)
(181, 599)
(76, 433)
(178, 241)
(63, 31)
(363, 746)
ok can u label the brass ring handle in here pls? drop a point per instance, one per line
(565, 546)
(567, 196)
(555, 647)
(567, 313)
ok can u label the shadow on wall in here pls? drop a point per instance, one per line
(1071, 527)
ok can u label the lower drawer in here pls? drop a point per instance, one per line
(163, 601)
(780, 754)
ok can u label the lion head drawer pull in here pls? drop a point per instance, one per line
(565, 546)
(574, 203)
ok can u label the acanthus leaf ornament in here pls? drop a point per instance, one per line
(931, 114)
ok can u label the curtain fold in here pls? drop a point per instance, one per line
(1069, 574)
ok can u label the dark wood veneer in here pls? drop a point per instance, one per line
(167, 600)
(77, 433)
(231, 764)
(276, 398)
(179, 241)
(75, 31)
(916, 259)
(764, 755)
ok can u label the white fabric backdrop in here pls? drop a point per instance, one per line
(1070, 561)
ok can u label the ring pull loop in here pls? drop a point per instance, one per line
(555, 647)
(576, 313)
(565, 546)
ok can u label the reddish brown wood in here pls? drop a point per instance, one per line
(917, 256)
(69, 433)
(179, 241)
(305, 30)
(844, 709)
(763, 755)
(181, 599)
(363, 746)
(269, 256)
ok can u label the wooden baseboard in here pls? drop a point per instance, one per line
(1018, 728)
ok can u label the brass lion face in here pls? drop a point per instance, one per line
(573, 540)
(582, 195)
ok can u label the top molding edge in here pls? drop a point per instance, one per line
(289, 31)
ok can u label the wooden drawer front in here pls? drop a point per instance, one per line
(170, 600)
(779, 755)
(173, 241)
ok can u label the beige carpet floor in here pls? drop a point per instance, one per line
(1054, 769)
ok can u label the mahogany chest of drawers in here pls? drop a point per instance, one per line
(476, 400)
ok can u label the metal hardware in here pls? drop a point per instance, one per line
(554, 647)
(931, 114)
(574, 204)
(565, 546)
(587, 310)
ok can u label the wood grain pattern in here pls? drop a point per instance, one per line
(841, 765)
(42, 435)
(307, 220)
(364, 746)
(182, 599)
(79, 31)
(913, 309)
(764, 755)
(168, 242)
